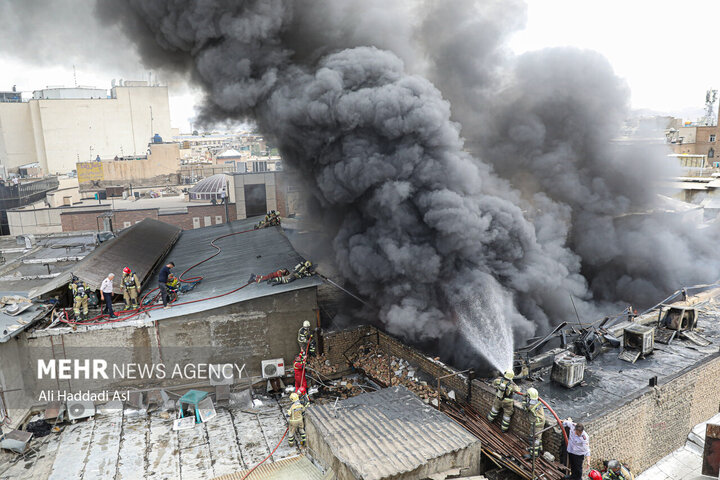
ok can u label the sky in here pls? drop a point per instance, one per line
(662, 49)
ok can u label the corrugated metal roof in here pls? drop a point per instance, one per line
(139, 247)
(255, 251)
(293, 468)
(11, 326)
(388, 432)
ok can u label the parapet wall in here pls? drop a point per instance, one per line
(638, 433)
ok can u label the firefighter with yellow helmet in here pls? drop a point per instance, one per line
(505, 388)
(296, 421)
(536, 414)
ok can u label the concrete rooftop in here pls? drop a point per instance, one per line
(611, 382)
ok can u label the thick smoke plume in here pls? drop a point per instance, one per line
(442, 241)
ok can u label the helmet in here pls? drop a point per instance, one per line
(74, 279)
(308, 264)
(532, 393)
(126, 270)
(301, 390)
(614, 465)
(509, 374)
(306, 323)
(294, 397)
(594, 475)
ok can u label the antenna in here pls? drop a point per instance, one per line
(710, 99)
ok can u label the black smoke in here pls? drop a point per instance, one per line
(491, 244)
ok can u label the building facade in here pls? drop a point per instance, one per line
(58, 132)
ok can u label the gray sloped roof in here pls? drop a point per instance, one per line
(252, 251)
(388, 432)
(139, 247)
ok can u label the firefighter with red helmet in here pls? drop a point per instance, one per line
(131, 288)
(594, 475)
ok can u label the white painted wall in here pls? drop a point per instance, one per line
(59, 133)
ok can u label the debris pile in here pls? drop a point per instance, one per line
(321, 365)
(390, 370)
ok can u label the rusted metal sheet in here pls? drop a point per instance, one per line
(504, 449)
(140, 247)
(711, 454)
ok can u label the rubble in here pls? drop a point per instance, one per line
(391, 370)
(321, 365)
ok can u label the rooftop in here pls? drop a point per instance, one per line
(132, 444)
(610, 382)
(243, 251)
(388, 432)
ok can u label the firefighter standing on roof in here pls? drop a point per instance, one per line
(536, 412)
(505, 388)
(299, 367)
(130, 286)
(306, 339)
(295, 420)
(80, 298)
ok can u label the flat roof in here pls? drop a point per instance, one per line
(610, 382)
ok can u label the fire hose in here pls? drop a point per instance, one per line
(559, 422)
(144, 308)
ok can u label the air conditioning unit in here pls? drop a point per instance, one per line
(273, 368)
(681, 319)
(568, 369)
(639, 337)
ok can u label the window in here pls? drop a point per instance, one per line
(711, 153)
(196, 222)
(208, 221)
(712, 138)
(126, 224)
(218, 219)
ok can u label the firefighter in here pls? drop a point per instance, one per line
(276, 274)
(274, 218)
(80, 298)
(505, 388)
(536, 412)
(304, 335)
(614, 471)
(295, 420)
(131, 287)
(299, 368)
(302, 269)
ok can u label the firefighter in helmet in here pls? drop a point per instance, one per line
(505, 388)
(306, 339)
(295, 420)
(131, 288)
(536, 414)
(302, 269)
(80, 298)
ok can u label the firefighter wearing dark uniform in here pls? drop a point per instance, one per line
(130, 286)
(536, 414)
(295, 420)
(505, 388)
(80, 298)
(306, 339)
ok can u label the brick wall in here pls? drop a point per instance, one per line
(639, 432)
(73, 221)
(647, 428)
